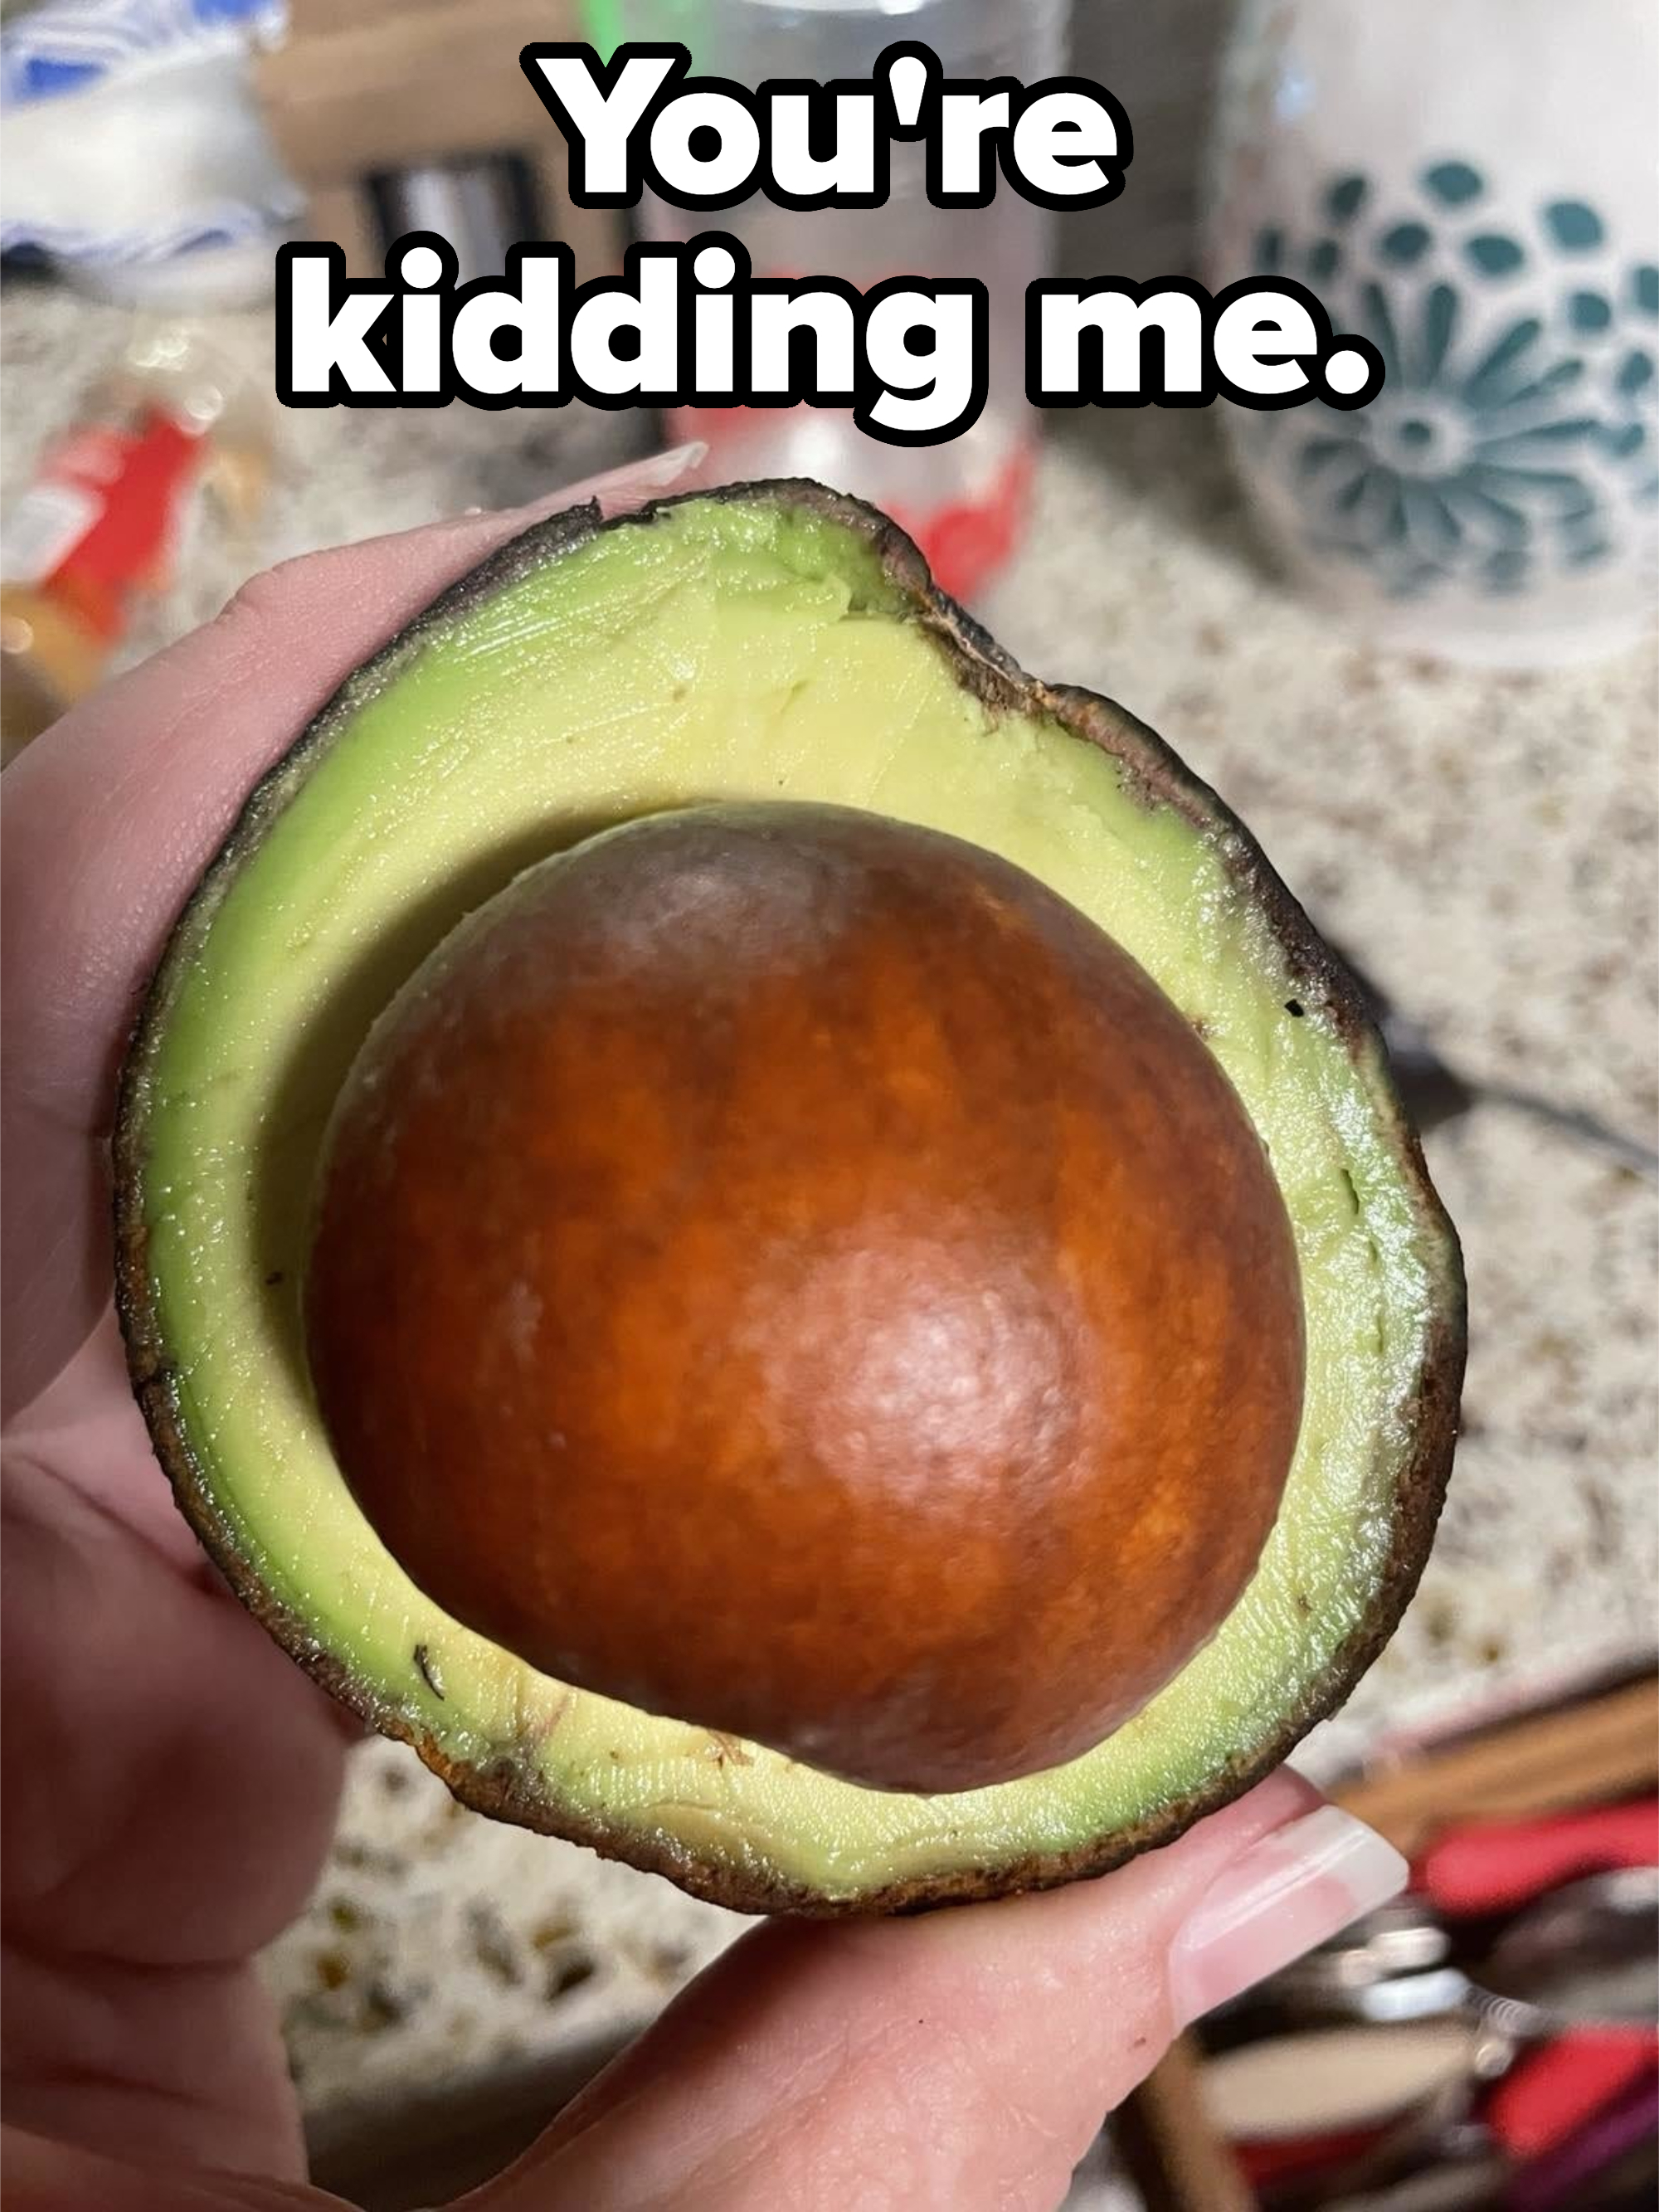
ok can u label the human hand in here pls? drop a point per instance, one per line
(170, 1778)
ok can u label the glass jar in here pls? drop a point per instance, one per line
(964, 501)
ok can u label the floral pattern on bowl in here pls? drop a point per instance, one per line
(1504, 445)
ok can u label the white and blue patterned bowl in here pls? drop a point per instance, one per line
(1475, 187)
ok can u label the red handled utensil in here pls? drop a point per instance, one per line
(1492, 1867)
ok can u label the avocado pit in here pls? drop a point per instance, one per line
(793, 1271)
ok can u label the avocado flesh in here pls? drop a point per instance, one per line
(771, 643)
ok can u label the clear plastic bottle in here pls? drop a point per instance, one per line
(964, 501)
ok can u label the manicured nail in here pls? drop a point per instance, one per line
(1295, 1888)
(627, 486)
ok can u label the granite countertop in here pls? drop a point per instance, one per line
(1485, 842)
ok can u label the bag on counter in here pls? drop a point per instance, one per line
(136, 158)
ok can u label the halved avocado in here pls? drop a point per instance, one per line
(770, 641)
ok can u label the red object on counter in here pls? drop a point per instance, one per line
(108, 499)
(966, 542)
(1568, 2176)
(1550, 2092)
(1502, 1865)
(89, 545)
(1285, 2157)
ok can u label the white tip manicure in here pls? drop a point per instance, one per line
(1292, 1890)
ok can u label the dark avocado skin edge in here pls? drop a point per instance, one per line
(501, 1787)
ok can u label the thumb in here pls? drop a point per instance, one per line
(965, 2059)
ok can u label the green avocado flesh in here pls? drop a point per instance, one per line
(772, 642)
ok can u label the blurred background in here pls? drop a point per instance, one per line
(1415, 649)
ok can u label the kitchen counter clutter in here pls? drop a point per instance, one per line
(1484, 843)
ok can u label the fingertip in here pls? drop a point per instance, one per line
(620, 491)
(1290, 1890)
(975, 2050)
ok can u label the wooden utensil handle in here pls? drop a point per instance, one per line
(1587, 1753)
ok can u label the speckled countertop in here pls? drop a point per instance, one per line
(1485, 843)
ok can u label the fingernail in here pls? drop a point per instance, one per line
(634, 481)
(1295, 1888)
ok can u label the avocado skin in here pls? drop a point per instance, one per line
(501, 1789)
